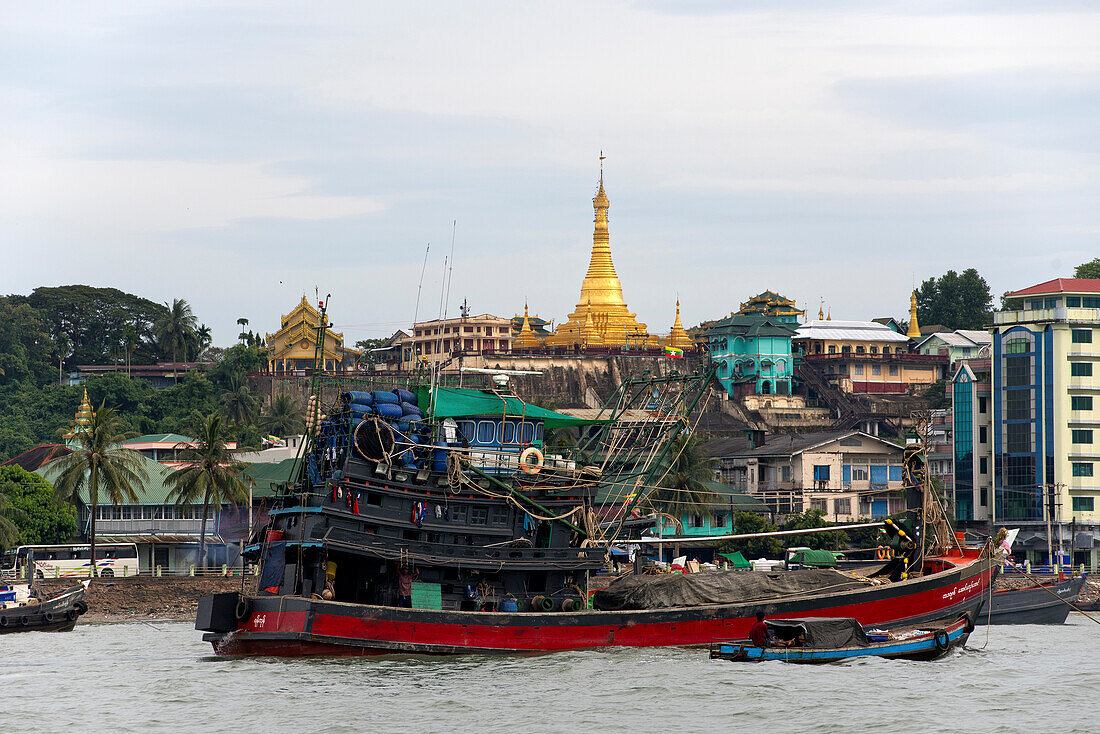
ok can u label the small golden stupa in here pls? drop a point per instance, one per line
(678, 337)
(601, 316)
(526, 338)
(914, 327)
(82, 419)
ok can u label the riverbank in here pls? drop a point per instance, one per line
(145, 598)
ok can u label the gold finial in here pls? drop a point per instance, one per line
(830, 316)
(82, 418)
(821, 311)
(914, 327)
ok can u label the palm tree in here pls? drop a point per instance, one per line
(682, 490)
(99, 463)
(283, 417)
(176, 330)
(210, 474)
(238, 401)
(203, 339)
(9, 514)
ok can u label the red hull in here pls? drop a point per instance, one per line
(296, 626)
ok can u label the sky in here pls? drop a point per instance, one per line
(241, 155)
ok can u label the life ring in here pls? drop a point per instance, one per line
(526, 465)
(942, 640)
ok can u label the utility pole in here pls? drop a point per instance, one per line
(1049, 511)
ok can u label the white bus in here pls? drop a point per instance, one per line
(66, 561)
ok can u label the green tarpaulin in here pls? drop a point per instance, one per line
(736, 559)
(456, 402)
(809, 557)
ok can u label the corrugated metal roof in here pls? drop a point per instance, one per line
(153, 491)
(849, 331)
(1061, 285)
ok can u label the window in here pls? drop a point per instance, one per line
(859, 350)
(479, 515)
(859, 474)
(1018, 405)
(876, 369)
(466, 430)
(1088, 302)
(842, 506)
(832, 349)
(1083, 504)
(1080, 369)
(1082, 336)
(874, 350)
(983, 434)
(1080, 402)
(1017, 371)
(984, 497)
(894, 370)
(983, 465)
(846, 349)
(1017, 346)
(857, 369)
(1082, 468)
(695, 521)
(459, 513)
(720, 519)
(1018, 438)
(983, 405)
(821, 472)
(819, 504)
(1052, 302)
(1082, 435)
(1073, 301)
(509, 432)
(486, 431)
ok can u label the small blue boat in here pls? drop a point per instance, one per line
(829, 639)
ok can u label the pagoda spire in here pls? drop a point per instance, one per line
(914, 326)
(82, 418)
(526, 337)
(678, 337)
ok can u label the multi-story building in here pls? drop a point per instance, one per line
(971, 429)
(440, 340)
(753, 354)
(1044, 419)
(294, 346)
(866, 356)
(956, 345)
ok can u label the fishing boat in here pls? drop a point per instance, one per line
(435, 519)
(823, 640)
(1040, 603)
(58, 613)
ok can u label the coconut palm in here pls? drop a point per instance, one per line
(209, 475)
(238, 402)
(682, 490)
(204, 337)
(176, 330)
(283, 417)
(98, 464)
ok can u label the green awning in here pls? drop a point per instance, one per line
(736, 559)
(457, 402)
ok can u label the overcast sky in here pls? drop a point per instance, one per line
(240, 154)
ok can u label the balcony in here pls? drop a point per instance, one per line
(910, 357)
(155, 527)
(1045, 315)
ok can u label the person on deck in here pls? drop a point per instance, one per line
(758, 633)
(405, 576)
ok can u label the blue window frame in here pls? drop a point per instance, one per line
(509, 432)
(821, 472)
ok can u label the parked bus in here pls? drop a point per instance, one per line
(66, 561)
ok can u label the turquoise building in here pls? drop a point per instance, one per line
(753, 354)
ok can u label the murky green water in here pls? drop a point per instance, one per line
(138, 677)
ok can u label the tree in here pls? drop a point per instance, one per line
(682, 490)
(203, 338)
(39, 516)
(95, 319)
(818, 541)
(1091, 269)
(242, 322)
(99, 463)
(957, 301)
(745, 523)
(238, 401)
(26, 349)
(283, 417)
(176, 330)
(9, 515)
(209, 475)
(371, 351)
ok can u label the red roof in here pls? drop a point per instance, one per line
(1062, 285)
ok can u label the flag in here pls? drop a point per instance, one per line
(674, 352)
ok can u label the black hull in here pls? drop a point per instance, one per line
(1035, 604)
(57, 614)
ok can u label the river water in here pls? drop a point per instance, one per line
(146, 677)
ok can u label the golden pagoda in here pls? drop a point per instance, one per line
(526, 338)
(914, 327)
(81, 420)
(601, 315)
(293, 346)
(678, 337)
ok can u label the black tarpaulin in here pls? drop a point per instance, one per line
(821, 632)
(274, 562)
(717, 587)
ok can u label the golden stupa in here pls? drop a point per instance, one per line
(526, 338)
(601, 316)
(82, 419)
(678, 337)
(914, 327)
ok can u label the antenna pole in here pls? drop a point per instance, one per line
(423, 269)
